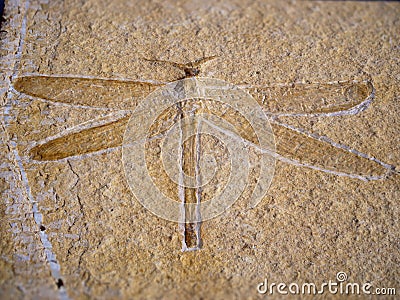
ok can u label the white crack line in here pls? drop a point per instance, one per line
(38, 217)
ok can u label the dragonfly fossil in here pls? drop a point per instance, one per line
(293, 145)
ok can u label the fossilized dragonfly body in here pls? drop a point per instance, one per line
(293, 145)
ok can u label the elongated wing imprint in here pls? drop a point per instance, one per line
(320, 153)
(87, 140)
(327, 99)
(93, 92)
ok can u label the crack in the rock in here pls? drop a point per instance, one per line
(76, 174)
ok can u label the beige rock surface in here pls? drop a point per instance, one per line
(70, 225)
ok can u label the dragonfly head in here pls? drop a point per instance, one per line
(191, 72)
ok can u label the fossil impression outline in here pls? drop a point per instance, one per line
(294, 145)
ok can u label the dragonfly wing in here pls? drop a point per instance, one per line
(96, 135)
(105, 93)
(87, 140)
(327, 99)
(318, 152)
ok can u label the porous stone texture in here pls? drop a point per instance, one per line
(71, 227)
